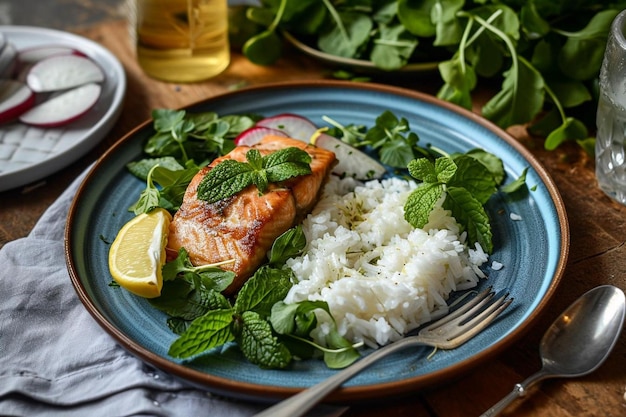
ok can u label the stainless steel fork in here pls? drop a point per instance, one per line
(449, 332)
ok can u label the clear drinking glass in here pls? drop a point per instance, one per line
(611, 116)
(181, 40)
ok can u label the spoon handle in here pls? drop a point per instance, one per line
(498, 407)
(518, 391)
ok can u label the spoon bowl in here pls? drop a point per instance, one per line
(578, 341)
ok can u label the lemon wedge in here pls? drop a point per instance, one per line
(138, 253)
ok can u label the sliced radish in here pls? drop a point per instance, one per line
(15, 99)
(63, 72)
(39, 53)
(253, 135)
(64, 108)
(295, 126)
(7, 60)
(352, 161)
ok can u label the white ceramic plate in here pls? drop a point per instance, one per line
(28, 154)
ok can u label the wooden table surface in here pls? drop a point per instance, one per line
(597, 253)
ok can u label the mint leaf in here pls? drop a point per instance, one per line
(422, 169)
(287, 163)
(491, 162)
(206, 332)
(445, 169)
(259, 345)
(472, 175)
(421, 202)
(185, 300)
(225, 179)
(265, 288)
(469, 212)
(289, 244)
(229, 176)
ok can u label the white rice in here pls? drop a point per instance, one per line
(380, 277)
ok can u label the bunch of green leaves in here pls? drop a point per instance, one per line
(363, 29)
(546, 53)
(268, 332)
(171, 177)
(200, 137)
(181, 144)
(230, 176)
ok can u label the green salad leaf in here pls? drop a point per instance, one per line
(546, 54)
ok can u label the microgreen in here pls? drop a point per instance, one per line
(230, 177)
(197, 136)
(173, 182)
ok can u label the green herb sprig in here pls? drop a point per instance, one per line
(230, 177)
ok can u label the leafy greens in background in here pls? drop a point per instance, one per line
(546, 54)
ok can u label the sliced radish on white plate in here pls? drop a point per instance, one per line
(352, 161)
(63, 72)
(15, 99)
(36, 54)
(253, 135)
(64, 108)
(7, 60)
(293, 125)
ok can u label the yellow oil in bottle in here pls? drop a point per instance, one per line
(182, 40)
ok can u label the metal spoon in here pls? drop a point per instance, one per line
(578, 341)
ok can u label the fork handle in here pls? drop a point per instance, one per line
(297, 405)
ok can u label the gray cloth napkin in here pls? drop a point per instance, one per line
(55, 360)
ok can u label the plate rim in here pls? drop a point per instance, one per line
(34, 172)
(350, 393)
(357, 64)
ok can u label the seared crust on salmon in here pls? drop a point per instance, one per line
(242, 228)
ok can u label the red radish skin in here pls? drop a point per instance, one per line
(15, 99)
(253, 135)
(352, 162)
(293, 125)
(64, 108)
(63, 72)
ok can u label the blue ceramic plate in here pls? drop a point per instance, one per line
(533, 250)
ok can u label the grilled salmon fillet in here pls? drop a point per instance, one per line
(242, 228)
